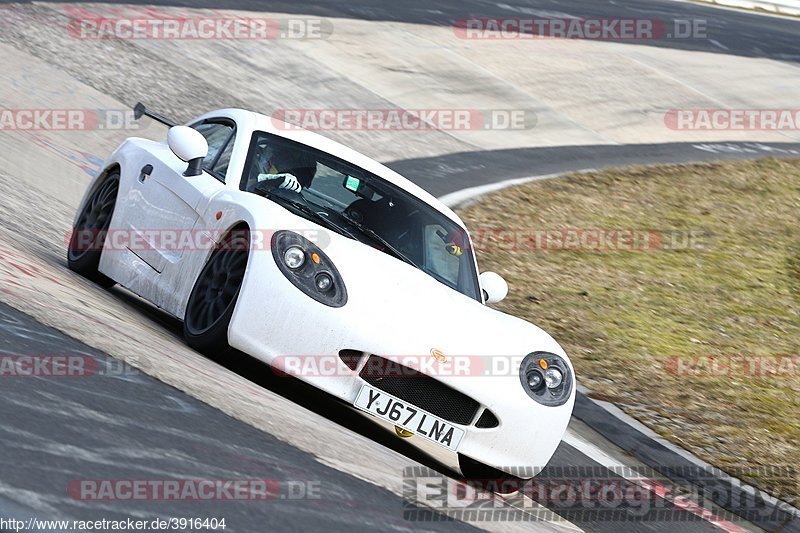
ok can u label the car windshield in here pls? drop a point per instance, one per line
(364, 206)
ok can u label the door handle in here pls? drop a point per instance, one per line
(145, 173)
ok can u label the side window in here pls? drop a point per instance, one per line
(221, 166)
(217, 135)
(439, 258)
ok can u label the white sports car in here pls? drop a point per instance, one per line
(275, 241)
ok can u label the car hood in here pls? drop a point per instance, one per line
(417, 311)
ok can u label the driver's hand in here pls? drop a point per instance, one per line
(454, 249)
(278, 181)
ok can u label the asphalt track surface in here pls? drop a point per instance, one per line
(127, 425)
(735, 33)
(56, 429)
(444, 174)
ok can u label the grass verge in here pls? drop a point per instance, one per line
(694, 326)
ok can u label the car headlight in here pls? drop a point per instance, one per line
(546, 378)
(535, 380)
(553, 378)
(294, 257)
(308, 268)
(323, 281)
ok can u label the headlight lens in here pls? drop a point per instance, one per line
(294, 257)
(553, 377)
(535, 380)
(323, 282)
(546, 377)
(308, 268)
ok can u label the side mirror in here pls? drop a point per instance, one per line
(188, 145)
(495, 288)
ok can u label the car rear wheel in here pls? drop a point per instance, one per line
(213, 298)
(89, 234)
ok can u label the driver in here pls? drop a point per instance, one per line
(287, 168)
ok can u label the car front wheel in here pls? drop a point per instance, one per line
(213, 298)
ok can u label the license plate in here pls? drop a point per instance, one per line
(401, 413)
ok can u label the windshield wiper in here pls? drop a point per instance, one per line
(308, 210)
(380, 240)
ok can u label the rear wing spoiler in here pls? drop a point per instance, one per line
(139, 109)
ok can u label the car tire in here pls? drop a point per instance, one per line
(88, 235)
(214, 296)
